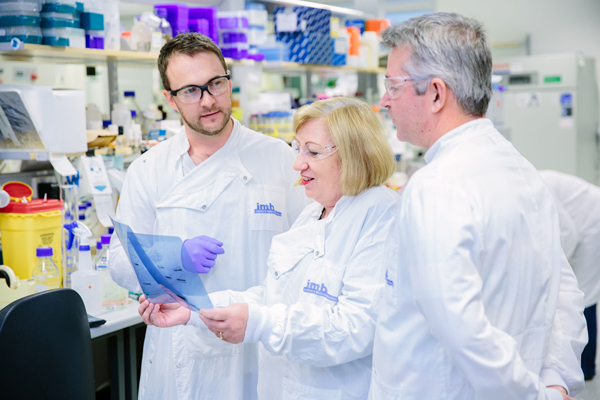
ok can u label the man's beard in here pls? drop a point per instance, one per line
(198, 127)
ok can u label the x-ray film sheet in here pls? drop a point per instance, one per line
(157, 263)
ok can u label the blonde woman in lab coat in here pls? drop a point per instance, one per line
(314, 313)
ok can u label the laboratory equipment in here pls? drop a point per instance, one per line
(177, 15)
(21, 21)
(46, 273)
(59, 6)
(86, 280)
(114, 297)
(145, 34)
(132, 105)
(165, 26)
(68, 195)
(94, 39)
(112, 25)
(55, 36)
(204, 20)
(547, 106)
(27, 224)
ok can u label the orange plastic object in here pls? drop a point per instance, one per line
(354, 34)
(18, 190)
(377, 25)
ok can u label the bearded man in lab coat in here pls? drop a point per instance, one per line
(482, 303)
(214, 179)
(578, 204)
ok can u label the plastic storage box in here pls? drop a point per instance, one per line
(177, 15)
(56, 20)
(208, 14)
(257, 14)
(94, 39)
(232, 20)
(92, 21)
(26, 34)
(59, 6)
(18, 6)
(229, 37)
(19, 18)
(76, 38)
(236, 51)
(56, 37)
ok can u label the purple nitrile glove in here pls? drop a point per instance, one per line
(199, 254)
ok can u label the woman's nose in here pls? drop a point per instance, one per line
(300, 164)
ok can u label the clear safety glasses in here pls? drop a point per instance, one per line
(392, 85)
(193, 93)
(313, 151)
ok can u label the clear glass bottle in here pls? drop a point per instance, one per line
(114, 297)
(46, 273)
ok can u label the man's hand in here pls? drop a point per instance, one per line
(163, 315)
(228, 324)
(199, 254)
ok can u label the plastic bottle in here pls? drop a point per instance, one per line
(46, 273)
(165, 26)
(145, 34)
(114, 297)
(133, 106)
(86, 280)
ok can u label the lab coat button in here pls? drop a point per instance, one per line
(178, 365)
(150, 361)
(276, 274)
(317, 253)
(245, 178)
(204, 207)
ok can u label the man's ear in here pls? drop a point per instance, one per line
(170, 100)
(438, 92)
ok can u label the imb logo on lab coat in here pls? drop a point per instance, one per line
(319, 290)
(266, 209)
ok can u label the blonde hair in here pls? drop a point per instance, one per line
(365, 156)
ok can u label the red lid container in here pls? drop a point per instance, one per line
(33, 206)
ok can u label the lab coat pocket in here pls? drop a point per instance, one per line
(296, 391)
(380, 391)
(267, 208)
(201, 343)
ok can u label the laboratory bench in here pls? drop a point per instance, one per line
(117, 349)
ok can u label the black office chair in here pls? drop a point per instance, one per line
(45, 348)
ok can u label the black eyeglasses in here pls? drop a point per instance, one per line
(193, 93)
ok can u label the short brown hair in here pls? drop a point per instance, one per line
(188, 43)
(366, 156)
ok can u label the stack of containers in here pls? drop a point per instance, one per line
(57, 19)
(76, 33)
(307, 31)
(177, 15)
(353, 59)
(92, 21)
(257, 30)
(339, 42)
(204, 20)
(20, 20)
(77, 17)
(233, 34)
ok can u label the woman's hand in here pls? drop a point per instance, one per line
(163, 315)
(228, 324)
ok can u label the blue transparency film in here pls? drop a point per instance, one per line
(157, 263)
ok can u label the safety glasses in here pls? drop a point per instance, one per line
(313, 151)
(392, 85)
(193, 93)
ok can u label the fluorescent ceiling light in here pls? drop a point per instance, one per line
(333, 9)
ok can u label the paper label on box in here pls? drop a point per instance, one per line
(62, 165)
(287, 22)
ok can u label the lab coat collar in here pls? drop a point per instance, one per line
(288, 248)
(216, 173)
(466, 131)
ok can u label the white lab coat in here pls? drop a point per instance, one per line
(218, 198)
(482, 303)
(315, 314)
(578, 204)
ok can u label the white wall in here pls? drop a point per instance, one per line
(555, 26)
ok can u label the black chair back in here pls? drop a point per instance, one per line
(46, 348)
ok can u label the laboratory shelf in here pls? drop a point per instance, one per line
(33, 155)
(39, 53)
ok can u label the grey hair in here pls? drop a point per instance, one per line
(450, 47)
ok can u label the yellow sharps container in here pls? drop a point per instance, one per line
(26, 225)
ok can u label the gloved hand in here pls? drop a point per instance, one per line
(199, 254)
